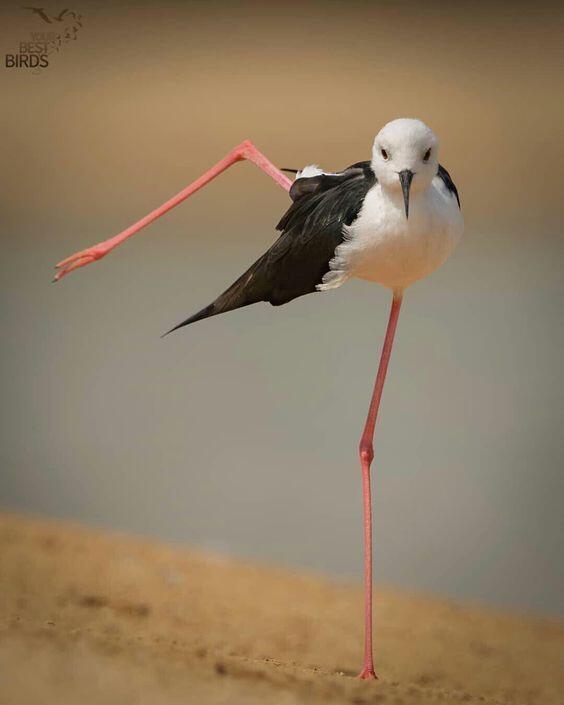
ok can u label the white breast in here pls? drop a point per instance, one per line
(385, 247)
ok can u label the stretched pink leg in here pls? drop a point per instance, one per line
(366, 450)
(246, 150)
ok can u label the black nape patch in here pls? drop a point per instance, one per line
(443, 174)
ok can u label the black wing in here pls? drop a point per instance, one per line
(311, 228)
(443, 174)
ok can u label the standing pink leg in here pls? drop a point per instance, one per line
(366, 450)
(246, 150)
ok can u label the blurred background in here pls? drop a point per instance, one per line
(240, 433)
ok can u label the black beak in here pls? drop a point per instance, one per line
(406, 177)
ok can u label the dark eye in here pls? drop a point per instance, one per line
(427, 155)
(384, 153)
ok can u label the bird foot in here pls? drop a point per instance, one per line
(367, 674)
(79, 259)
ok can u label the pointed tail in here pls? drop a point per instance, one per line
(249, 289)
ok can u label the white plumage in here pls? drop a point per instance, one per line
(309, 170)
(382, 244)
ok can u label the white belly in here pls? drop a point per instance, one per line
(385, 247)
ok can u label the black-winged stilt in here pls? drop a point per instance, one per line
(391, 220)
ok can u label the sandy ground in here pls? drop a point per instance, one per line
(89, 617)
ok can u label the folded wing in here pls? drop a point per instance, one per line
(311, 230)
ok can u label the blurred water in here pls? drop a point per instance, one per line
(240, 433)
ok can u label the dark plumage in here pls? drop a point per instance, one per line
(311, 229)
(443, 174)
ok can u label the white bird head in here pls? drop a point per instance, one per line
(405, 157)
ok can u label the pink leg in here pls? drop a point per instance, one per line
(366, 450)
(246, 150)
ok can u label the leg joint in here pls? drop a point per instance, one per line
(245, 149)
(366, 452)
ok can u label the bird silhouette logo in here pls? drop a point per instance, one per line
(65, 26)
(40, 12)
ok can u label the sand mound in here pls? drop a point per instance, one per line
(98, 618)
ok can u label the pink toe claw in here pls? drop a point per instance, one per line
(92, 253)
(79, 259)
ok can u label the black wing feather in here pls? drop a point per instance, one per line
(312, 228)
